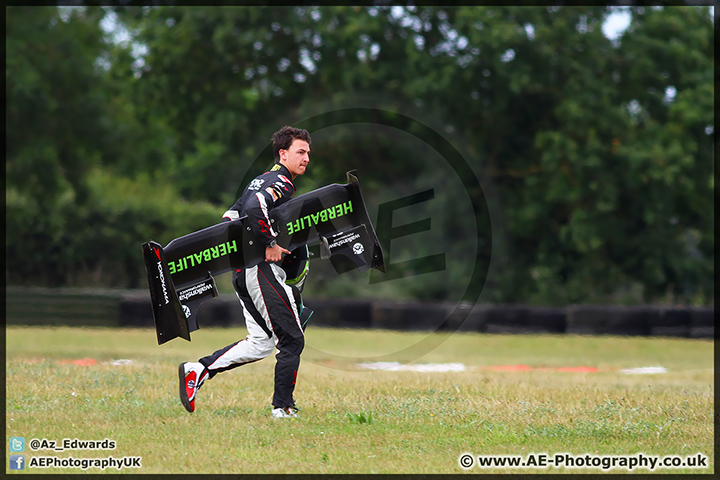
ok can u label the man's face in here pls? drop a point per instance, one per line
(296, 157)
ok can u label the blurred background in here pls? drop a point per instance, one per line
(590, 131)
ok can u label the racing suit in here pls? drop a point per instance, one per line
(271, 307)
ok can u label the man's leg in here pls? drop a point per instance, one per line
(258, 344)
(276, 302)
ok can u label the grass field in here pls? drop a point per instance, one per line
(357, 421)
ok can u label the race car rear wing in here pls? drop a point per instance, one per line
(181, 275)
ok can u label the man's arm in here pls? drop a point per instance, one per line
(230, 215)
(258, 206)
(274, 254)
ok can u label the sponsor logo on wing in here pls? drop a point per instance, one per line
(161, 275)
(344, 240)
(194, 291)
(162, 282)
(358, 248)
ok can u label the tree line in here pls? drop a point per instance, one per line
(594, 155)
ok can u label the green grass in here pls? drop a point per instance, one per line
(356, 421)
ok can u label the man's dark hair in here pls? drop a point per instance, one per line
(283, 138)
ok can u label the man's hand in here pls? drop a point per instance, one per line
(274, 254)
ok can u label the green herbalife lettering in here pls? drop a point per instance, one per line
(202, 256)
(322, 216)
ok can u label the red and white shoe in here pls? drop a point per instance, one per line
(286, 412)
(191, 376)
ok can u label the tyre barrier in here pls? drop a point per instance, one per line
(223, 311)
(674, 322)
(340, 313)
(464, 317)
(640, 320)
(611, 319)
(702, 323)
(408, 315)
(123, 308)
(63, 306)
(507, 319)
(136, 311)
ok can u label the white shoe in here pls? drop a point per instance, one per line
(287, 412)
(191, 376)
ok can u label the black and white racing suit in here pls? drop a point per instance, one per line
(271, 308)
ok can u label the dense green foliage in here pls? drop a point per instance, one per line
(595, 155)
